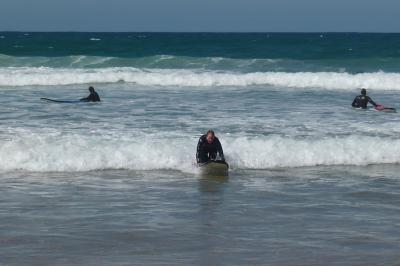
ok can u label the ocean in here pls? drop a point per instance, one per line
(312, 181)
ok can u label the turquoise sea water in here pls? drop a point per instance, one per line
(341, 52)
(312, 181)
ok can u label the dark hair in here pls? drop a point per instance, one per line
(91, 88)
(210, 131)
(363, 91)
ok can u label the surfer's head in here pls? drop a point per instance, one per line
(363, 91)
(91, 89)
(210, 136)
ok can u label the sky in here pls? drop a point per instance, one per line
(201, 15)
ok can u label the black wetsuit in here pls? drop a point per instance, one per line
(208, 151)
(93, 97)
(361, 101)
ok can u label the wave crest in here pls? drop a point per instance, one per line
(196, 78)
(38, 152)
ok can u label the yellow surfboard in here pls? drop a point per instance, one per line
(214, 168)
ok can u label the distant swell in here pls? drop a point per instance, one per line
(37, 152)
(168, 77)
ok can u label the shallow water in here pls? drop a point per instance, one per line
(302, 216)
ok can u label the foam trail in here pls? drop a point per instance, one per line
(51, 152)
(169, 77)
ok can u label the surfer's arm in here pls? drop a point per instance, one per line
(90, 98)
(372, 102)
(354, 102)
(220, 151)
(96, 98)
(199, 145)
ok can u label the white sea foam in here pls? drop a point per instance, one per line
(284, 152)
(51, 152)
(18, 76)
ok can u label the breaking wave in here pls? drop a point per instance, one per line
(38, 152)
(196, 78)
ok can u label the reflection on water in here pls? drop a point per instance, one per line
(212, 184)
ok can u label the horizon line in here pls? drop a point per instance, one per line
(208, 32)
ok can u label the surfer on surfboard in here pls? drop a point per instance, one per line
(93, 96)
(208, 147)
(361, 101)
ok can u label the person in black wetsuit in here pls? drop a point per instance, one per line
(93, 96)
(208, 147)
(362, 100)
